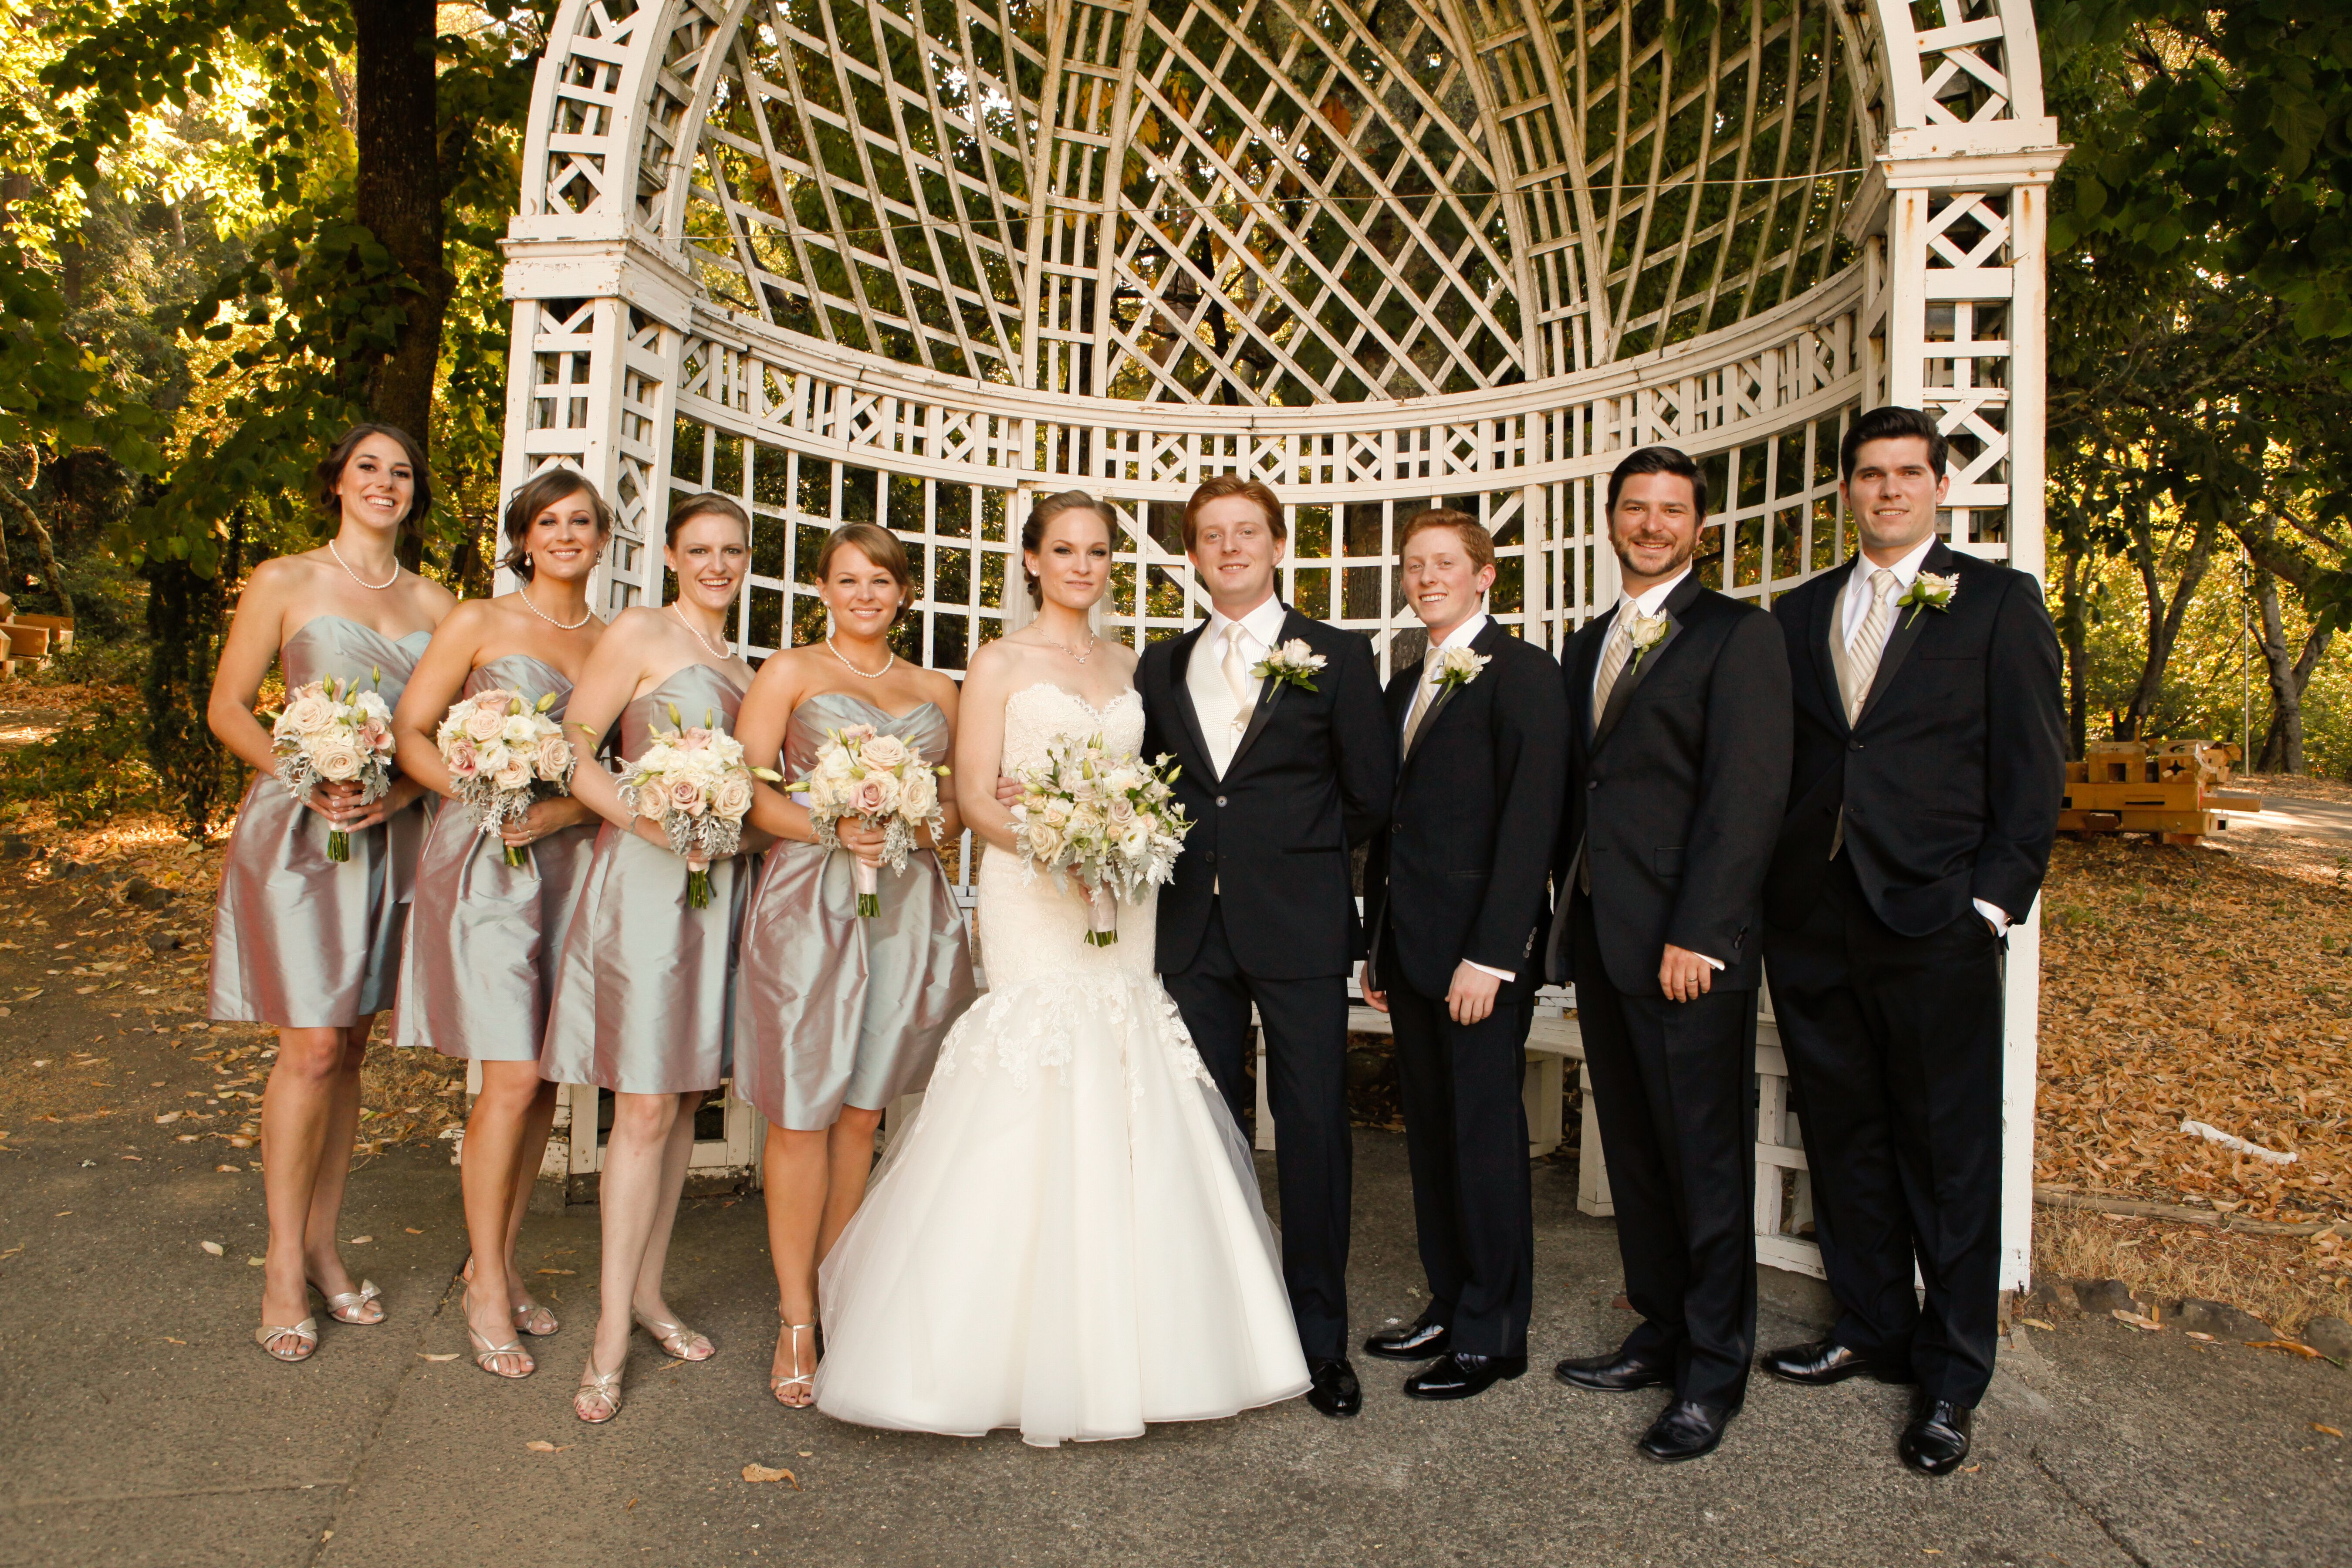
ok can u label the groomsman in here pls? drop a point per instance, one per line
(1928, 773)
(1455, 891)
(1678, 769)
(1287, 764)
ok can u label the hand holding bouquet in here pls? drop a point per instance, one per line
(503, 754)
(882, 783)
(697, 786)
(1108, 818)
(331, 733)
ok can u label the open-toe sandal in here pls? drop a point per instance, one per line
(782, 1386)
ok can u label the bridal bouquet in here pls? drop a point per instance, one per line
(696, 783)
(882, 782)
(502, 754)
(1107, 817)
(334, 733)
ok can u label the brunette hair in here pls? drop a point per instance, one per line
(330, 472)
(1476, 542)
(880, 546)
(1223, 485)
(1658, 461)
(539, 492)
(1032, 532)
(1892, 423)
(710, 503)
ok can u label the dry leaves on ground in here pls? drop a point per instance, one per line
(757, 1473)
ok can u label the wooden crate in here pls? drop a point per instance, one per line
(2165, 788)
(60, 628)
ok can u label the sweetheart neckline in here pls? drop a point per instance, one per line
(1102, 711)
(877, 706)
(372, 631)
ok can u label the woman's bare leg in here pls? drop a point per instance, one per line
(297, 1107)
(322, 1249)
(794, 1170)
(677, 1151)
(631, 1197)
(850, 1157)
(495, 1132)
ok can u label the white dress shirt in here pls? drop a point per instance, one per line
(1648, 603)
(1855, 606)
(1222, 719)
(1462, 635)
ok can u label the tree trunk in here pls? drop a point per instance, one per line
(398, 198)
(2282, 750)
(21, 507)
(2163, 619)
(2073, 628)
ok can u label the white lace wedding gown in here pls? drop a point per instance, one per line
(1068, 1239)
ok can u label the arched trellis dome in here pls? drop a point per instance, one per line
(905, 260)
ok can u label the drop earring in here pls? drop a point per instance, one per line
(526, 561)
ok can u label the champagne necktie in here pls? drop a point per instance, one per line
(1870, 642)
(1423, 694)
(1237, 677)
(1613, 656)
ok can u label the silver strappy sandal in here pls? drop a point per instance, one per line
(676, 1338)
(346, 1306)
(306, 1339)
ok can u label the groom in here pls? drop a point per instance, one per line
(1286, 766)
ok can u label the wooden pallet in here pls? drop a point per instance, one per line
(2169, 788)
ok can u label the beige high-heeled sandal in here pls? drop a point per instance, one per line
(345, 1306)
(306, 1337)
(776, 1386)
(486, 1352)
(676, 1338)
(527, 1317)
(598, 1390)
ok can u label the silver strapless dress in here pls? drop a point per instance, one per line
(644, 995)
(300, 941)
(831, 1009)
(483, 936)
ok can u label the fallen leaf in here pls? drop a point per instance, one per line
(558, 1272)
(2135, 1319)
(168, 1118)
(1970, 1469)
(2331, 1431)
(361, 1240)
(232, 1169)
(806, 1454)
(541, 1446)
(170, 1341)
(215, 1248)
(2038, 1323)
(412, 1230)
(254, 1262)
(757, 1473)
(628, 1505)
(450, 1357)
(2206, 1338)
(2283, 1346)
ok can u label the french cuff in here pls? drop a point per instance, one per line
(1997, 916)
(1503, 974)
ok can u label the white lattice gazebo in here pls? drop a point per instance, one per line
(901, 260)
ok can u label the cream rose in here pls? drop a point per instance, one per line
(887, 752)
(516, 774)
(484, 723)
(1044, 841)
(919, 795)
(553, 758)
(865, 796)
(732, 798)
(653, 802)
(459, 753)
(310, 715)
(687, 796)
(336, 759)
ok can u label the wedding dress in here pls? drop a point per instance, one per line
(1068, 1239)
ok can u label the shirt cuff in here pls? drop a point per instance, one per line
(1490, 969)
(1714, 963)
(1995, 913)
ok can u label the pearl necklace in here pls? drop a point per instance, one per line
(524, 594)
(1092, 643)
(723, 652)
(855, 670)
(355, 577)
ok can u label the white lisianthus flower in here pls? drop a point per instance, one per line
(518, 732)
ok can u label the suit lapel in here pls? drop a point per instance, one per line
(1178, 666)
(1637, 670)
(1269, 692)
(1483, 644)
(1584, 664)
(1905, 633)
(1823, 625)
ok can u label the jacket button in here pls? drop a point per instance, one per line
(1396, 828)
(1213, 856)
(1854, 747)
(1592, 783)
(1221, 800)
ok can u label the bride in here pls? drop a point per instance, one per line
(1070, 1238)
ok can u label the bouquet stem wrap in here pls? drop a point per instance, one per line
(1102, 915)
(869, 889)
(697, 884)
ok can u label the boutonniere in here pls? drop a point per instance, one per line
(1647, 632)
(1930, 591)
(1459, 666)
(1293, 662)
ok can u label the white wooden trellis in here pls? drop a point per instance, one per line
(912, 260)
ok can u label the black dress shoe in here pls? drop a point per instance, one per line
(1817, 1363)
(1460, 1375)
(1937, 1440)
(1684, 1430)
(1334, 1390)
(1615, 1372)
(1418, 1341)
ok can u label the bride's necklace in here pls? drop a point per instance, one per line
(377, 587)
(551, 620)
(723, 652)
(1092, 642)
(887, 668)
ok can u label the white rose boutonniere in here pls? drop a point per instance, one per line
(1930, 591)
(1293, 662)
(1459, 666)
(1647, 632)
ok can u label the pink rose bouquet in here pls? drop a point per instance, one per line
(882, 783)
(1108, 818)
(503, 753)
(697, 786)
(332, 732)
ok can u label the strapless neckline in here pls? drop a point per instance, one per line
(1102, 711)
(912, 713)
(399, 642)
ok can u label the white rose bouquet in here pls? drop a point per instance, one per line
(1107, 817)
(696, 783)
(882, 782)
(503, 753)
(333, 732)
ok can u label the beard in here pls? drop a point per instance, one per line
(1679, 559)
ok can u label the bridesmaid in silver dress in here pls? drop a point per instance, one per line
(643, 992)
(299, 940)
(836, 1016)
(484, 936)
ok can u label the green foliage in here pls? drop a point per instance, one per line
(196, 779)
(88, 771)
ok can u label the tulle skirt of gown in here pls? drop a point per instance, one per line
(1069, 1240)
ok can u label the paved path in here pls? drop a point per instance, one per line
(139, 1425)
(2304, 818)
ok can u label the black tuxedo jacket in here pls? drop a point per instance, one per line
(1309, 778)
(1951, 779)
(1460, 873)
(1675, 795)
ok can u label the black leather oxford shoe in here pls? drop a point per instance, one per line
(1418, 1340)
(1817, 1363)
(1937, 1440)
(1460, 1375)
(1615, 1372)
(1684, 1430)
(1334, 1390)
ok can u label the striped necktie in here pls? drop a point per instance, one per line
(1869, 643)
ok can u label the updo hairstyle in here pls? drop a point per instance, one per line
(539, 492)
(880, 546)
(1032, 532)
(710, 503)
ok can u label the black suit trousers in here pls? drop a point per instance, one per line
(1894, 1050)
(1306, 1024)
(1466, 1133)
(1674, 1085)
